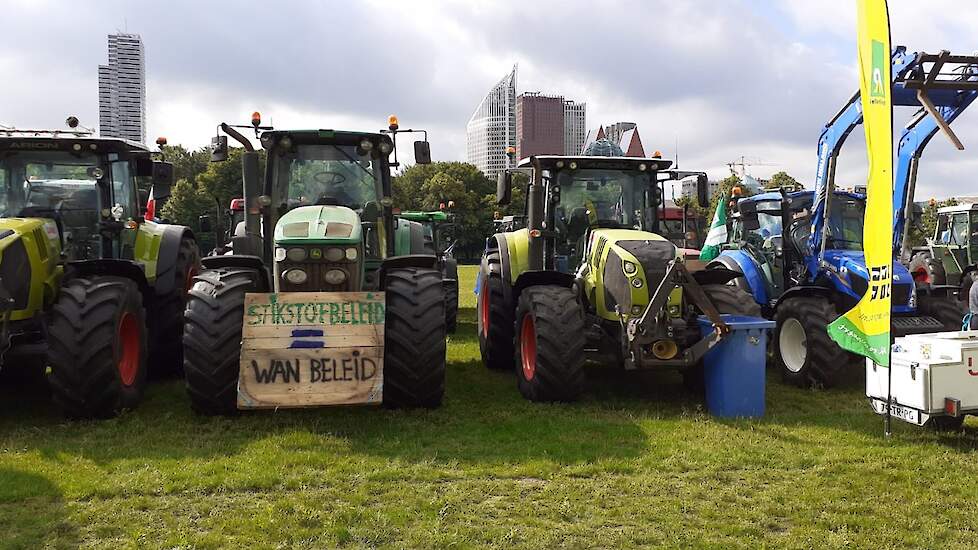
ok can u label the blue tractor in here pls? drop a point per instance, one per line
(801, 253)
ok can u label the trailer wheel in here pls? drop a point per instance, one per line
(167, 346)
(927, 270)
(727, 299)
(805, 354)
(97, 347)
(212, 338)
(495, 320)
(450, 287)
(948, 311)
(414, 338)
(946, 423)
(550, 344)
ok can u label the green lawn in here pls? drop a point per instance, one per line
(636, 463)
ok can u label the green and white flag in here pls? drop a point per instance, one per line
(718, 233)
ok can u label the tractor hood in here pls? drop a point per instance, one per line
(852, 263)
(318, 225)
(631, 265)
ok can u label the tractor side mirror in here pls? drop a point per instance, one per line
(702, 191)
(504, 188)
(748, 216)
(422, 152)
(219, 148)
(144, 167)
(205, 224)
(162, 179)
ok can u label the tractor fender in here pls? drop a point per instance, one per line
(428, 261)
(807, 291)
(114, 268)
(167, 260)
(741, 262)
(717, 275)
(535, 278)
(238, 260)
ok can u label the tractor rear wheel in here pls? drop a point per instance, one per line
(167, 345)
(948, 311)
(727, 299)
(805, 353)
(414, 338)
(450, 287)
(927, 270)
(97, 347)
(495, 318)
(212, 337)
(550, 344)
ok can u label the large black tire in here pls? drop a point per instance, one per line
(414, 338)
(495, 316)
(97, 347)
(927, 270)
(805, 354)
(450, 288)
(728, 299)
(167, 345)
(948, 311)
(212, 337)
(550, 344)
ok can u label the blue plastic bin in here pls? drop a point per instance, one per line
(734, 368)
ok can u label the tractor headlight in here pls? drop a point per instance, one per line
(335, 276)
(629, 267)
(295, 276)
(296, 254)
(386, 147)
(351, 254)
(637, 283)
(279, 254)
(334, 254)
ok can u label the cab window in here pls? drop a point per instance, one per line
(123, 193)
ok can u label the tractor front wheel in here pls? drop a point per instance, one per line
(927, 270)
(495, 317)
(806, 355)
(97, 347)
(212, 338)
(167, 346)
(414, 338)
(550, 344)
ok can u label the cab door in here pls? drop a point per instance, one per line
(124, 208)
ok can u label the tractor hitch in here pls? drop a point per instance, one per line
(645, 331)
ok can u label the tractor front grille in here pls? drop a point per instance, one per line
(316, 276)
(15, 273)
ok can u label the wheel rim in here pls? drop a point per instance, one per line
(528, 347)
(128, 364)
(921, 276)
(793, 344)
(484, 307)
(189, 282)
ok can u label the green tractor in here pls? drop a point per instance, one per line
(326, 298)
(951, 257)
(590, 276)
(439, 227)
(80, 267)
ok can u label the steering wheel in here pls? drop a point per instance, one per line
(329, 178)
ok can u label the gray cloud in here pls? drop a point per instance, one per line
(724, 78)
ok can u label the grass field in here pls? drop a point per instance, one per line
(636, 463)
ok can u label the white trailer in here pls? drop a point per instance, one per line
(935, 379)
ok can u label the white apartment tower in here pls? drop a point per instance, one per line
(575, 127)
(122, 89)
(492, 127)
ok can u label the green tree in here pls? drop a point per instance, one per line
(782, 180)
(187, 164)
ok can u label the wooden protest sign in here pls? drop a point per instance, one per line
(302, 349)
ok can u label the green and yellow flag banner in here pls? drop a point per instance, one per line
(866, 328)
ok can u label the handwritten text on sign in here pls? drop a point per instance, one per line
(303, 349)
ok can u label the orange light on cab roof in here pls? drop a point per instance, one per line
(392, 122)
(657, 155)
(161, 141)
(256, 119)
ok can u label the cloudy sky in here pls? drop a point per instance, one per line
(726, 78)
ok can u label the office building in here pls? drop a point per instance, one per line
(492, 127)
(122, 89)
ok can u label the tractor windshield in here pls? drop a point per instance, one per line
(330, 175)
(600, 198)
(49, 184)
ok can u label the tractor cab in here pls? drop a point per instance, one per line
(957, 235)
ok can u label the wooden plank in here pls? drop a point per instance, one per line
(305, 349)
